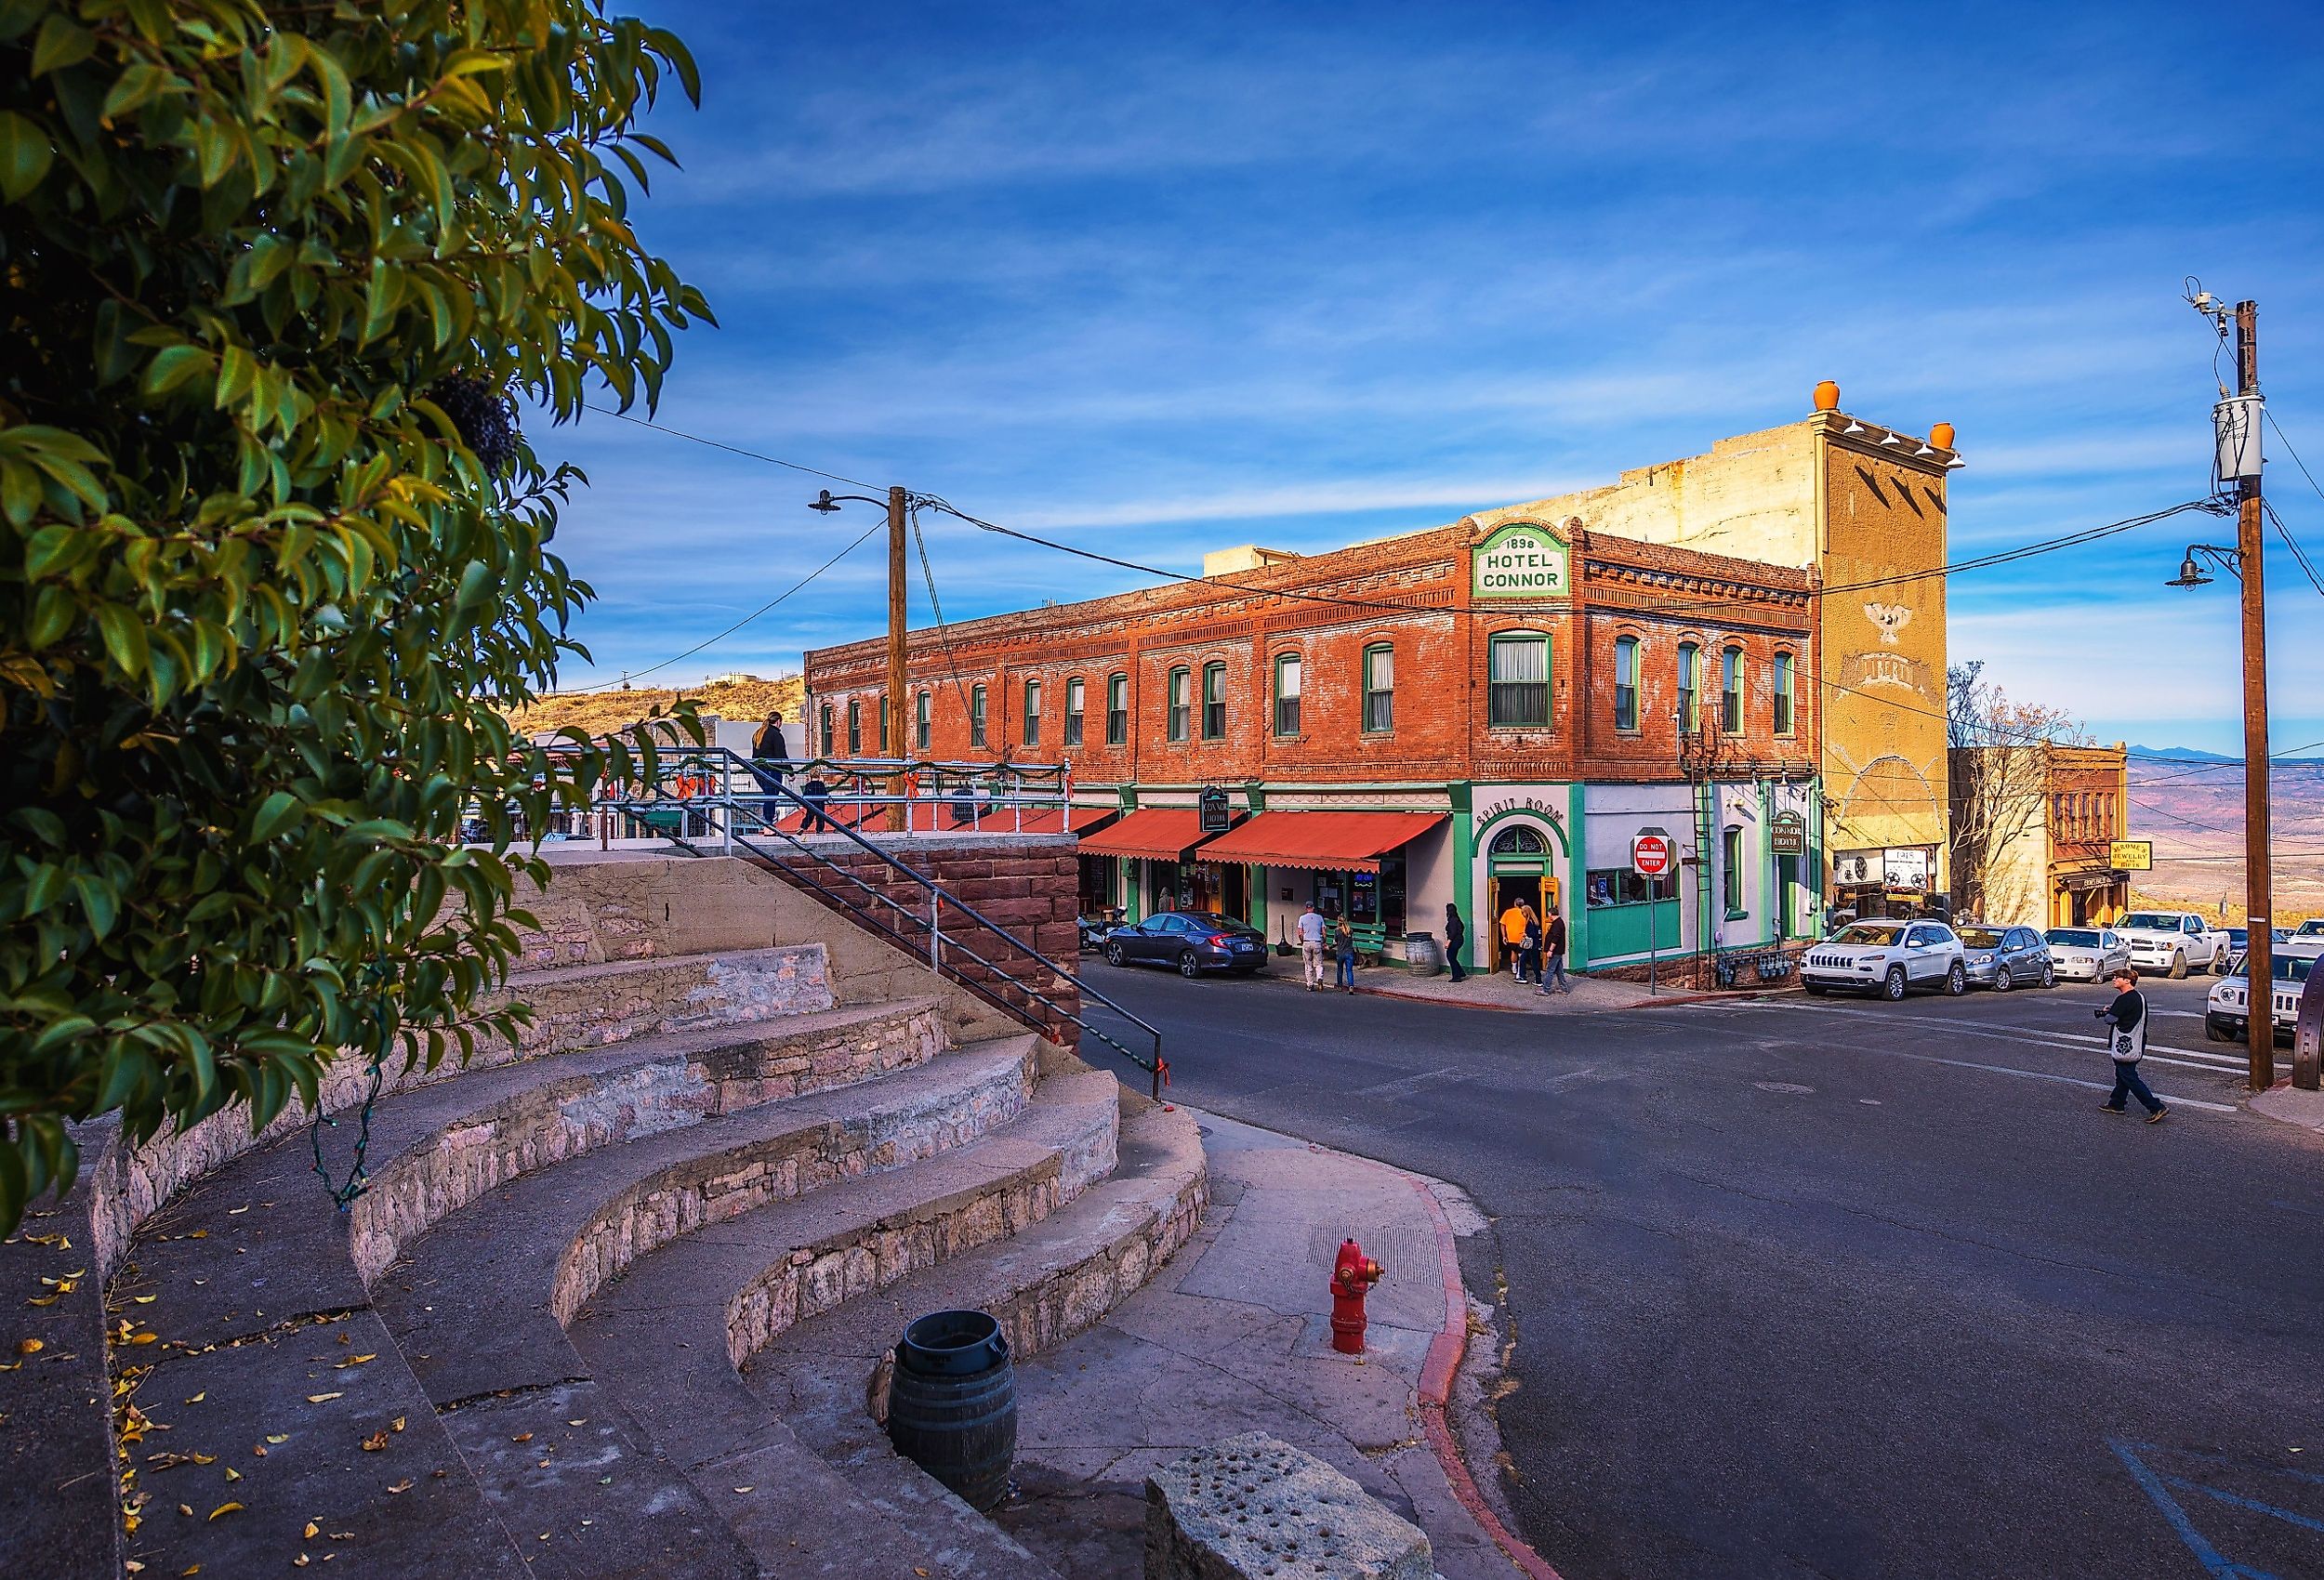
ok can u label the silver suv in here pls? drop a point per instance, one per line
(1886, 957)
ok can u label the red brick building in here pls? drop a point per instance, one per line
(1451, 715)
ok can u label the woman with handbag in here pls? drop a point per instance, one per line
(2126, 1041)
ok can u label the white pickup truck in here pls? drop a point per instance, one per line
(2305, 943)
(2171, 941)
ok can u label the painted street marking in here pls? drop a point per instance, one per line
(2168, 1100)
(2158, 1486)
(1574, 1078)
(1784, 1086)
(2032, 1036)
(1410, 1085)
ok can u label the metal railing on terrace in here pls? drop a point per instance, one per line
(707, 799)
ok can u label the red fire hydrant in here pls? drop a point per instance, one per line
(1351, 1277)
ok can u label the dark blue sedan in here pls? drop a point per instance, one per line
(1195, 942)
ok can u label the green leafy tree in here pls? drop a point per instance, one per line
(273, 559)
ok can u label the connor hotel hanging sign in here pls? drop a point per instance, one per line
(1523, 560)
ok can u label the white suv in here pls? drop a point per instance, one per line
(2172, 941)
(1887, 958)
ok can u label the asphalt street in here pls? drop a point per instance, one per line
(1841, 1288)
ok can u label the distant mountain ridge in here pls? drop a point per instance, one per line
(2195, 754)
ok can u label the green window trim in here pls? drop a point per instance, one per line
(1117, 709)
(1076, 696)
(855, 728)
(1731, 691)
(1690, 701)
(827, 730)
(1176, 722)
(921, 727)
(1517, 680)
(1786, 719)
(1379, 689)
(1731, 873)
(1214, 701)
(1032, 713)
(1288, 680)
(1625, 683)
(976, 715)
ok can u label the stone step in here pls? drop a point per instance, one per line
(254, 1243)
(826, 1375)
(576, 1006)
(669, 1334)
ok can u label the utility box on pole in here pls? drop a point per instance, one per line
(2235, 422)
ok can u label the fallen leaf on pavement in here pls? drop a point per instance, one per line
(310, 1532)
(375, 1442)
(224, 1509)
(397, 1424)
(233, 1474)
(402, 1486)
(199, 1397)
(321, 1398)
(742, 1489)
(29, 1346)
(278, 1437)
(521, 1437)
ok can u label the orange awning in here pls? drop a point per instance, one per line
(1350, 842)
(1160, 833)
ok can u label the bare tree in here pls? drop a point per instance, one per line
(1999, 768)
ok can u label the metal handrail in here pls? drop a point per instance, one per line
(720, 809)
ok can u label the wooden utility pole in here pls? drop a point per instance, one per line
(896, 700)
(2258, 878)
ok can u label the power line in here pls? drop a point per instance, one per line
(2292, 543)
(2294, 454)
(768, 605)
(730, 449)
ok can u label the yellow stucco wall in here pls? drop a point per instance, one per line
(1809, 493)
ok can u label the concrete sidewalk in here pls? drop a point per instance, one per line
(2281, 1102)
(1501, 990)
(1233, 1335)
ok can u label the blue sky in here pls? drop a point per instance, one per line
(1155, 280)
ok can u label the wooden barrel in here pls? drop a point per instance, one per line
(952, 1403)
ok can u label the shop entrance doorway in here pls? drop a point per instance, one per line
(1519, 863)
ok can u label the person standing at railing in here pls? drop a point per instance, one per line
(815, 792)
(770, 756)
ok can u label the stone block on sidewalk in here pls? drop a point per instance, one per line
(1255, 1506)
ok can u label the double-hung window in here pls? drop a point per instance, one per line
(920, 729)
(1783, 693)
(1731, 691)
(1379, 689)
(1073, 711)
(827, 731)
(1626, 682)
(1286, 694)
(854, 727)
(1214, 702)
(1117, 709)
(1517, 675)
(1177, 722)
(884, 748)
(1032, 713)
(976, 715)
(1731, 879)
(1690, 688)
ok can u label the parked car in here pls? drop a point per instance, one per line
(1195, 942)
(2173, 940)
(1886, 957)
(2086, 955)
(2307, 941)
(2240, 938)
(2002, 958)
(2226, 1014)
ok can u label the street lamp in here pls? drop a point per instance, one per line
(898, 500)
(2193, 576)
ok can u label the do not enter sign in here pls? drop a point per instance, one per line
(1650, 854)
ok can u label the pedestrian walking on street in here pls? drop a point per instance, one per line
(1514, 936)
(1343, 945)
(2126, 1040)
(770, 756)
(1455, 938)
(1529, 948)
(1553, 978)
(1312, 946)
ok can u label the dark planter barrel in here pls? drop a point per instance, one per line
(952, 1403)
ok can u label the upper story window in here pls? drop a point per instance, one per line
(1690, 688)
(1379, 689)
(976, 715)
(1626, 682)
(1214, 702)
(1287, 693)
(1517, 675)
(855, 728)
(826, 731)
(1073, 711)
(1784, 709)
(1117, 709)
(1032, 713)
(1177, 721)
(1731, 880)
(885, 749)
(919, 721)
(1731, 691)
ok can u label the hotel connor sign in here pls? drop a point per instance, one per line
(1523, 560)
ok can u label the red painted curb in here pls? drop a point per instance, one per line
(1436, 1378)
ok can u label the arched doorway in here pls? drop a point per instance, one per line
(1520, 864)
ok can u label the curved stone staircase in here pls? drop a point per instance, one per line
(616, 1301)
